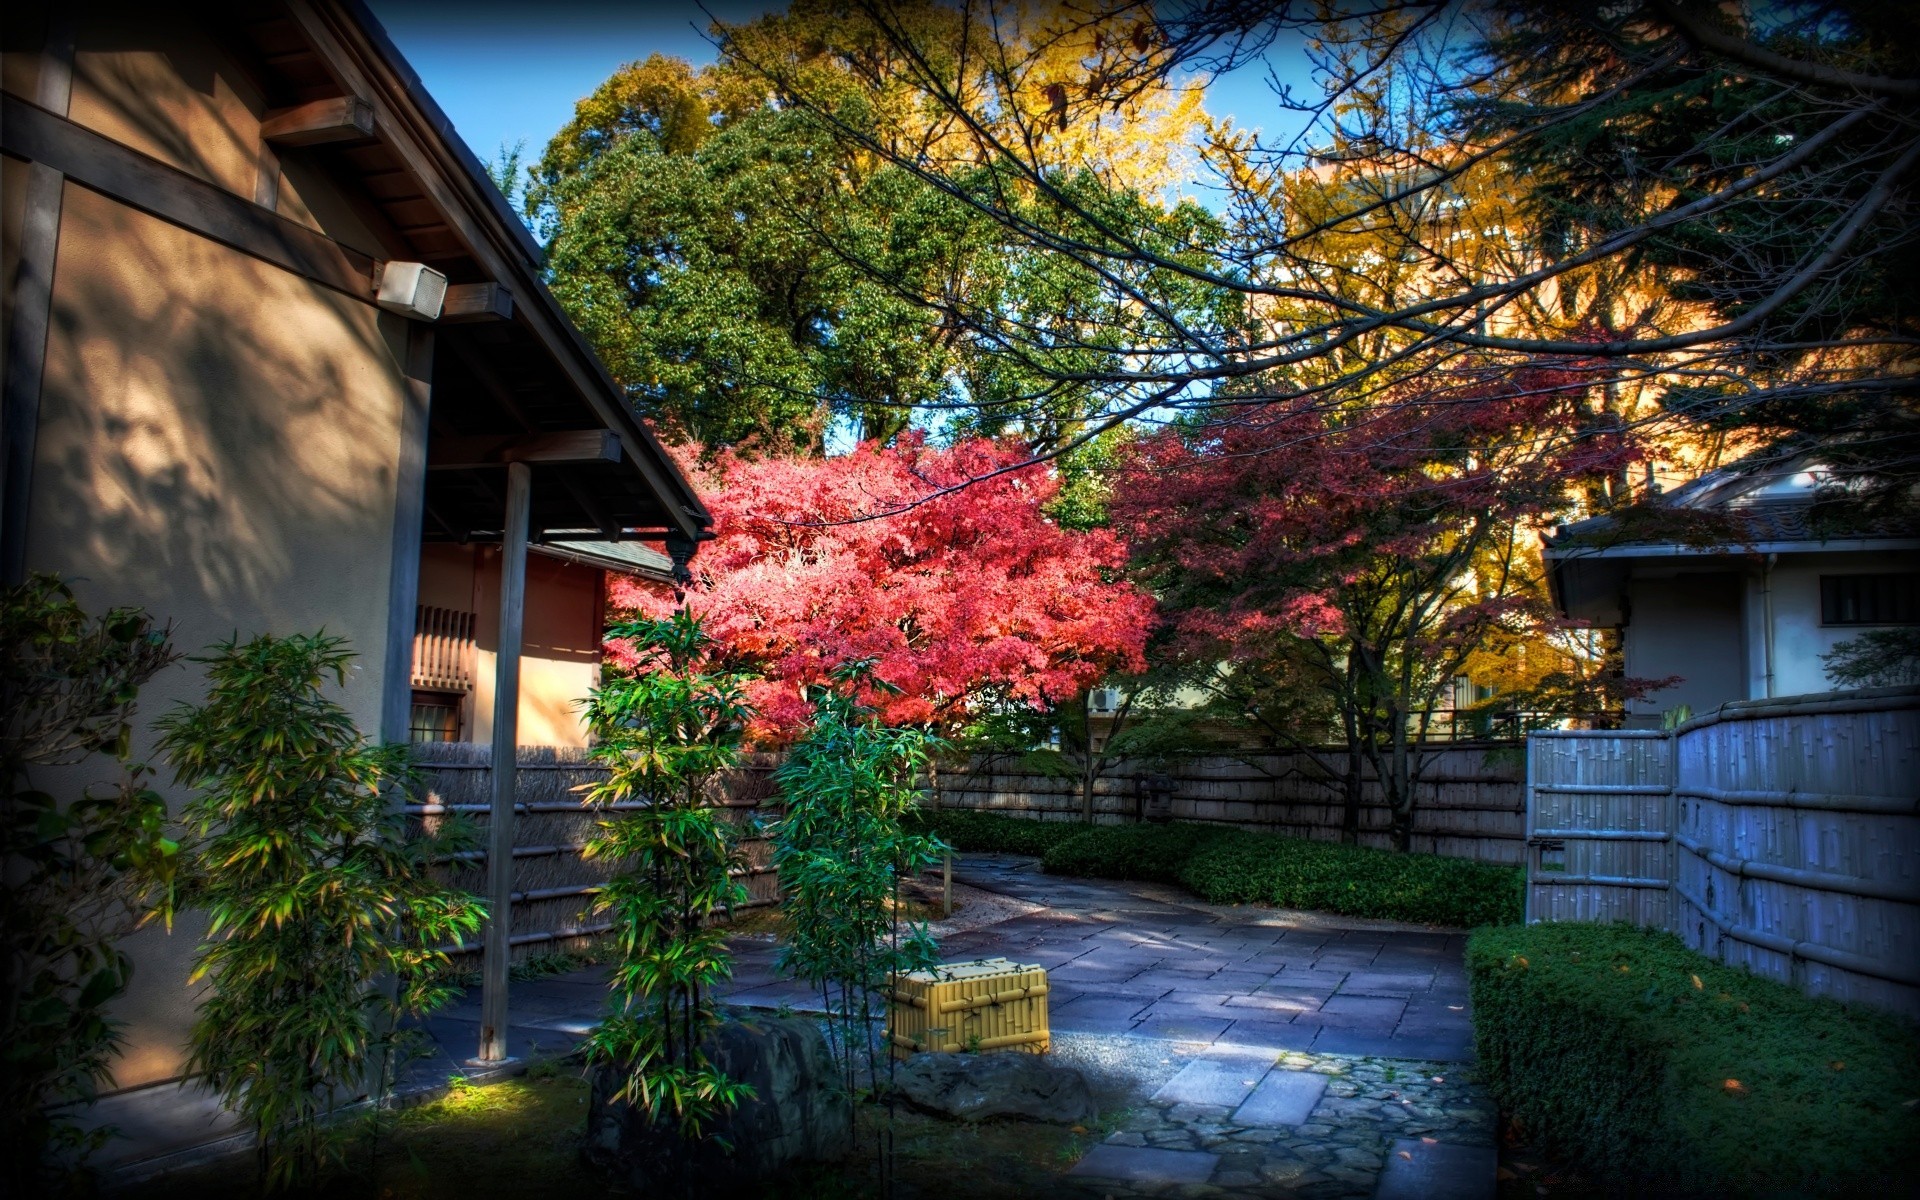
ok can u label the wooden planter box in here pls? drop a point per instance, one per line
(987, 1004)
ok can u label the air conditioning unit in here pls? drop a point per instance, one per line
(1103, 701)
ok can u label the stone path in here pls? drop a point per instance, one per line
(1327, 1056)
(1122, 959)
(1248, 1123)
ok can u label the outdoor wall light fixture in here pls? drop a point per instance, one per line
(411, 289)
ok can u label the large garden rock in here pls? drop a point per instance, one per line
(797, 1114)
(973, 1087)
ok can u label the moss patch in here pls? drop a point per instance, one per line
(519, 1137)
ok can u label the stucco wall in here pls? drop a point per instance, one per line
(1686, 624)
(217, 443)
(1799, 639)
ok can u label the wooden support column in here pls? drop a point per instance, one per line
(26, 335)
(506, 738)
(409, 515)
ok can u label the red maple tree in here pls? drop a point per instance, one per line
(1340, 564)
(964, 599)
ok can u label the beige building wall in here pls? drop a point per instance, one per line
(560, 644)
(218, 439)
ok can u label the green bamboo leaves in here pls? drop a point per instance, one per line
(324, 924)
(841, 851)
(666, 732)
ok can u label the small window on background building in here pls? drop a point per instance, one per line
(1892, 599)
(436, 717)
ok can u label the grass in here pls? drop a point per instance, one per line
(1638, 1061)
(518, 1137)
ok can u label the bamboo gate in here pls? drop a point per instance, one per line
(1780, 835)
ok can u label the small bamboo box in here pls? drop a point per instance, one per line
(987, 1004)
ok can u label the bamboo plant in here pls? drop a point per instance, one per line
(842, 849)
(667, 731)
(324, 920)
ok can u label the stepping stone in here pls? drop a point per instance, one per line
(1147, 1164)
(1220, 1076)
(1283, 1098)
(1421, 1170)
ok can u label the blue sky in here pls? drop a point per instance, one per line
(511, 72)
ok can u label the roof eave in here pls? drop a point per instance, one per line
(509, 250)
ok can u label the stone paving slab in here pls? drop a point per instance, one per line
(1146, 1164)
(1425, 1169)
(1224, 1076)
(1281, 1098)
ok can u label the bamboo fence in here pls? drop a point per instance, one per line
(1779, 835)
(1470, 801)
(553, 884)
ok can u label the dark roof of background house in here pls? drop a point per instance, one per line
(1735, 509)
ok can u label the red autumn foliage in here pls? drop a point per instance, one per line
(971, 594)
(1307, 522)
(1345, 563)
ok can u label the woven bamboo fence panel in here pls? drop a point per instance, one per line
(553, 883)
(1599, 827)
(1794, 842)
(1799, 840)
(1470, 803)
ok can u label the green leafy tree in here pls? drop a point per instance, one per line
(841, 851)
(325, 921)
(668, 732)
(752, 277)
(1877, 658)
(78, 876)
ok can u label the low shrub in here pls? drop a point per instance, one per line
(1154, 853)
(1645, 1063)
(992, 833)
(1353, 880)
(1225, 865)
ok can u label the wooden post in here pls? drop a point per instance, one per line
(946, 881)
(32, 301)
(506, 738)
(409, 511)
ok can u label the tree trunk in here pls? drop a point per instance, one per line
(1352, 787)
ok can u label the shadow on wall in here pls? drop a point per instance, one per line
(217, 445)
(218, 438)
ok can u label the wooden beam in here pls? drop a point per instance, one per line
(409, 517)
(575, 446)
(429, 157)
(506, 737)
(338, 119)
(476, 302)
(31, 132)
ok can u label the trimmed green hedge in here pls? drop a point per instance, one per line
(1647, 1064)
(992, 833)
(1154, 853)
(1355, 880)
(1224, 865)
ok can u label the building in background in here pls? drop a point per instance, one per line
(1744, 615)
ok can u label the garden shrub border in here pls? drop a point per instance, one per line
(1226, 865)
(1647, 1064)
